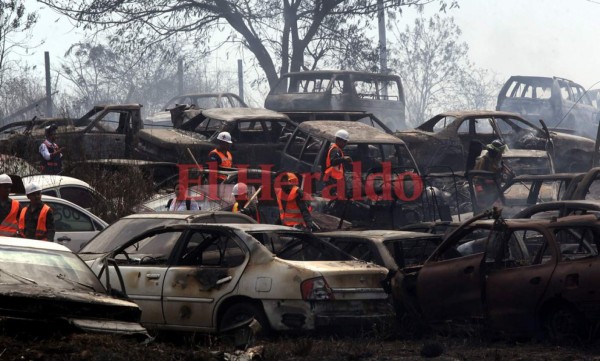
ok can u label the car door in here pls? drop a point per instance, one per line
(207, 269)
(522, 261)
(106, 136)
(143, 265)
(73, 227)
(450, 282)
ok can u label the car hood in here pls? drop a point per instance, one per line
(564, 139)
(178, 136)
(86, 310)
(346, 274)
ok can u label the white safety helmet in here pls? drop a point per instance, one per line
(240, 188)
(5, 179)
(225, 137)
(32, 188)
(342, 134)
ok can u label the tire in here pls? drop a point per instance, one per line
(564, 325)
(240, 312)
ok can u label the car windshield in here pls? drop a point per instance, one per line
(121, 232)
(437, 124)
(56, 269)
(371, 156)
(297, 246)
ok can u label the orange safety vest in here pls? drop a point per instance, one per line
(40, 230)
(335, 172)
(10, 226)
(226, 161)
(291, 215)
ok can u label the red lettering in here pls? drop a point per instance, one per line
(415, 181)
(357, 191)
(307, 184)
(386, 183)
(185, 182)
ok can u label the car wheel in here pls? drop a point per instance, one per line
(564, 325)
(240, 312)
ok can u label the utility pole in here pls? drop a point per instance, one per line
(49, 105)
(180, 76)
(382, 44)
(241, 79)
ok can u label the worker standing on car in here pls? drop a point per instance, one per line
(240, 194)
(36, 220)
(490, 160)
(334, 164)
(50, 152)
(9, 209)
(293, 209)
(221, 154)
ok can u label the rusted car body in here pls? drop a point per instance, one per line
(455, 139)
(258, 136)
(44, 287)
(163, 118)
(326, 90)
(519, 276)
(393, 250)
(106, 131)
(202, 277)
(362, 117)
(561, 103)
(558, 209)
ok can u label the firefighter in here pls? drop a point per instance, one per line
(334, 163)
(9, 209)
(221, 154)
(293, 209)
(50, 152)
(490, 160)
(36, 220)
(240, 194)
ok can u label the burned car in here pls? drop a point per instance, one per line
(209, 277)
(106, 131)
(561, 103)
(455, 139)
(391, 249)
(162, 119)
(258, 136)
(519, 276)
(341, 90)
(44, 287)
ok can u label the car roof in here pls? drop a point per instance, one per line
(262, 227)
(32, 243)
(185, 215)
(233, 114)
(380, 235)
(479, 113)
(49, 181)
(359, 132)
(555, 176)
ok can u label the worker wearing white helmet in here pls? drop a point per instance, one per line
(241, 205)
(334, 164)
(37, 219)
(221, 154)
(9, 209)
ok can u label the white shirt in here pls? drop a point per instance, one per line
(45, 152)
(176, 206)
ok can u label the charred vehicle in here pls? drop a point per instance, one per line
(162, 119)
(362, 117)
(202, 277)
(341, 90)
(371, 150)
(44, 287)
(391, 249)
(106, 131)
(558, 209)
(561, 103)
(258, 136)
(455, 139)
(518, 276)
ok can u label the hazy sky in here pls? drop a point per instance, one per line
(510, 37)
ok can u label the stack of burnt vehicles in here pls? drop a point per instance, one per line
(399, 177)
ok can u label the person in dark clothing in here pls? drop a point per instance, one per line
(36, 220)
(240, 194)
(50, 152)
(9, 209)
(490, 160)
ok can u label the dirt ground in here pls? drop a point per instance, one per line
(109, 347)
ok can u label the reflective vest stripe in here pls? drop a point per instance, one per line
(335, 172)
(235, 208)
(291, 215)
(226, 160)
(10, 226)
(40, 231)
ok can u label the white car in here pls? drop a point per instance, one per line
(74, 225)
(69, 188)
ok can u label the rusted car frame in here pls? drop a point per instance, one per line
(561, 103)
(201, 277)
(519, 276)
(341, 90)
(455, 139)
